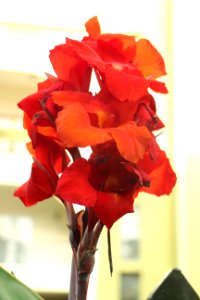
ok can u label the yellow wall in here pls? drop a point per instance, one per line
(157, 249)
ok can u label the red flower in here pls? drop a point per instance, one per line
(105, 183)
(108, 184)
(117, 122)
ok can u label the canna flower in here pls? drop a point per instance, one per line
(108, 184)
(66, 111)
(117, 121)
(103, 183)
(127, 66)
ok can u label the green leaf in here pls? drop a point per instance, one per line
(12, 289)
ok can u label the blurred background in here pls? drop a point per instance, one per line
(163, 233)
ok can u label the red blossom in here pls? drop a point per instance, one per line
(117, 122)
(108, 184)
(116, 119)
(103, 183)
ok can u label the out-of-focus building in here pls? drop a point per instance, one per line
(143, 247)
(163, 233)
(33, 241)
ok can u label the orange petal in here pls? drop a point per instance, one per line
(29, 147)
(131, 140)
(90, 103)
(47, 131)
(64, 98)
(148, 60)
(75, 130)
(92, 26)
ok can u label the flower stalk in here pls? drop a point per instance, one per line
(120, 125)
(83, 261)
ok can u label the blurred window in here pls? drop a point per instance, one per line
(129, 287)
(130, 236)
(15, 237)
(15, 160)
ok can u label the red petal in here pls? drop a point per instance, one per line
(39, 187)
(125, 86)
(85, 52)
(70, 68)
(31, 104)
(110, 207)
(113, 47)
(158, 86)
(62, 63)
(162, 176)
(50, 155)
(73, 185)
(125, 45)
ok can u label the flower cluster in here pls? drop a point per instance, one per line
(118, 122)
